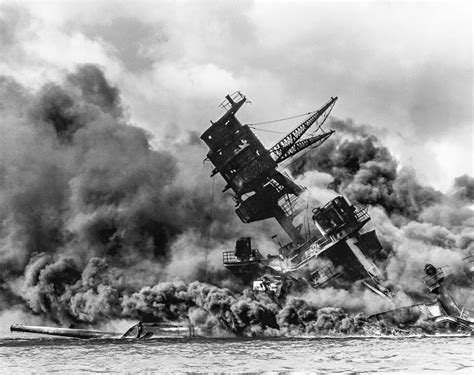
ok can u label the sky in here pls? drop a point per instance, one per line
(404, 68)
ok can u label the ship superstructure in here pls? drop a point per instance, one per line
(328, 245)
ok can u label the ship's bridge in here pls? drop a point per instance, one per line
(337, 220)
(338, 217)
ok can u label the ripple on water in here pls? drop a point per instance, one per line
(440, 354)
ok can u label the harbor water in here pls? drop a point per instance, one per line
(443, 355)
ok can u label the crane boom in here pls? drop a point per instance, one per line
(304, 143)
(280, 150)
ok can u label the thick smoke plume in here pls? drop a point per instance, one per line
(367, 173)
(95, 224)
(416, 224)
(77, 181)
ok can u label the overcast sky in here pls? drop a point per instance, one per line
(402, 67)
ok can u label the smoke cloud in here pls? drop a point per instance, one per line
(366, 172)
(416, 224)
(78, 181)
(96, 224)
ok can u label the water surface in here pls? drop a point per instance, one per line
(450, 355)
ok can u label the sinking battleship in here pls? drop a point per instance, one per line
(331, 246)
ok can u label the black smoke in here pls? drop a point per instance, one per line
(78, 181)
(415, 223)
(96, 224)
(365, 171)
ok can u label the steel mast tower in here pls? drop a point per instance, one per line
(250, 170)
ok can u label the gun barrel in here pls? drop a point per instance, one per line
(64, 332)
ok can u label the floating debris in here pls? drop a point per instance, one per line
(138, 331)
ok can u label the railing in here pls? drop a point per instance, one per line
(432, 282)
(314, 247)
(469, 260)
(229, 257)
(311, 249)
(362, 215)
(236, 97)
(323, 242)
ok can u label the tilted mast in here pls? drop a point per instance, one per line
(339, 246)
(250, 170)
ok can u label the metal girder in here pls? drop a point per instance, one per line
(279, 150)
(315, 141)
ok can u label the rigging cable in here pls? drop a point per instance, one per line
(209, 228)
(268, 131)
(281, 119)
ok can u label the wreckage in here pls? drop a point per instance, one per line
(443, 311)
(139, 331)
(329, 245)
